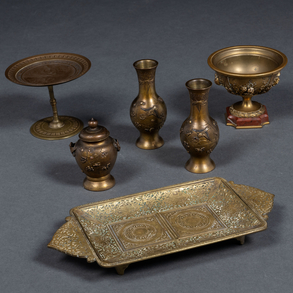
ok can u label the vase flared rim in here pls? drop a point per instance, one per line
(151, 62)
(203, 81)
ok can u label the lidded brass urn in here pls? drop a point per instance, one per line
(95, 153)
(148, 111)
(199, 133)
(247, 71)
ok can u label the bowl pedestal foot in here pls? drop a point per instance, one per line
(247, 122)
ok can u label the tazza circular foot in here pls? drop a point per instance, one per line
(71, 126)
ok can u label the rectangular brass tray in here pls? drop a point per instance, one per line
(149, 224)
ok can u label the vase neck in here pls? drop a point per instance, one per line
(146, 79)
(199, 104)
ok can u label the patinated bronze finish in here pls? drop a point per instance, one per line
(128, 229)
(48, 70)
(95, 153)
(148, 111)
(199, 133)
(247, 71)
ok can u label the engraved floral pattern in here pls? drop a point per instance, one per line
(249, 87)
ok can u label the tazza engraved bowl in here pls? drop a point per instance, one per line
(48, 70)
(132, 228)
(247, 71)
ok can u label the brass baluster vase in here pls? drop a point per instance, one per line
(148, 111)
(199, 133)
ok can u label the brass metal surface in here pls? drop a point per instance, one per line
(71, 126)
(247, 71)
(128, 229)
(148, 111)
(199, 133)
(95, 153)
(48, 70)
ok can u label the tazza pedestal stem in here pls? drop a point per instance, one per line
(247, 105)
(56, 123)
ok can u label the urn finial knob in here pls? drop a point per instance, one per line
(93, 123)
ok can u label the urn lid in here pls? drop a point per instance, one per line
(94, 132)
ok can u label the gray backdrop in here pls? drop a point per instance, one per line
(40, 180)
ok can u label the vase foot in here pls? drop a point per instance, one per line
(149, 143)
(99, 184)
(200, 165)
(247, 122)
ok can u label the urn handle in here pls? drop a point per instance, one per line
(73, 148)
(116, 144)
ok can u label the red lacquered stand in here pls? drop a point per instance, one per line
(250, 122)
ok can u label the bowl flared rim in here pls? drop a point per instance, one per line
(276, 70)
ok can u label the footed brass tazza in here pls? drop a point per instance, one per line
(128, 229)
(247, 71)
(48, 70)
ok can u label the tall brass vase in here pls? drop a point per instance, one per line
(148, 111)
(199, 133)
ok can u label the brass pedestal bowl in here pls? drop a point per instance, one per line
(49, 70)
(247, 71)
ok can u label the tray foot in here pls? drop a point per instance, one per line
(241, 239)
(120, 269)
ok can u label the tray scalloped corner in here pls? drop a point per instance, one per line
(149, 224)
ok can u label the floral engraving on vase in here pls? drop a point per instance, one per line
(199, 100)
(153, 111)
(201, 134)
(93, 159)
(138, 125)
(200, 149)
(106, 167)
(151, 119)
(186, 144)
(200, 141)
(103, 153)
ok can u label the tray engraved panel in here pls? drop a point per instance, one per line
(192, 221)
(143, 231)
